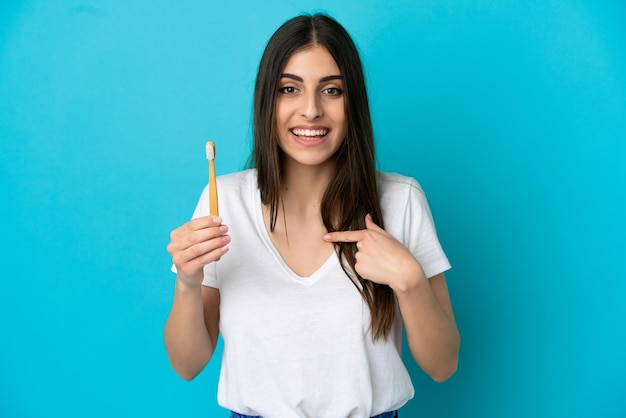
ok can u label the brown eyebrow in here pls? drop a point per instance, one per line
(322, 80)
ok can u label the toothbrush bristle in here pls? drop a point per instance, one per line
(210, 150)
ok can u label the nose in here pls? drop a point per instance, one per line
(311, 106)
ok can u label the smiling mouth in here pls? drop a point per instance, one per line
(309, 133)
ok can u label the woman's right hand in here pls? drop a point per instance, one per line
(196, 244)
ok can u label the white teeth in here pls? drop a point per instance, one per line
(310, 132)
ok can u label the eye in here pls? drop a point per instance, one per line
(332, 91)
(287, 90)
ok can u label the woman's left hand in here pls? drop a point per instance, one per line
(380, 257)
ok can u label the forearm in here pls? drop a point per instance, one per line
(432, 335)
(187, 340)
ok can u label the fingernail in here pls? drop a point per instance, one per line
(327, 237)
(223, 228)
(217, 220)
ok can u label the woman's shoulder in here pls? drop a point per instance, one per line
(237, 179)
(399, 183)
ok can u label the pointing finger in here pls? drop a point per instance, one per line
(370, 224)
(344, 236)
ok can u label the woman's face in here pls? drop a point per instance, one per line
(310, 111)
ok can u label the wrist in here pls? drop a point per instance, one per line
(410, 278)
(186, 284)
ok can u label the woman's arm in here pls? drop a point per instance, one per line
(431, 330)
(191, 329)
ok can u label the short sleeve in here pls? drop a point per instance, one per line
(422, 235)
(408, 218)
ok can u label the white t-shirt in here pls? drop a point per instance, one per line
(296, 346)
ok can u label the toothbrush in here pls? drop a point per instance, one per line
(210, 156)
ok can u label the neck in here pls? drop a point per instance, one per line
(304, 187)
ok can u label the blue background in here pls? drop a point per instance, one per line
(511, 114)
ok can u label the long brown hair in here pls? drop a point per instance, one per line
(352, 192)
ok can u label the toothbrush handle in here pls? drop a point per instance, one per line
(213, 206)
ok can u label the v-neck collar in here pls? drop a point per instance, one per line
(330, 262)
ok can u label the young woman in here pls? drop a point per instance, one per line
(324, 259)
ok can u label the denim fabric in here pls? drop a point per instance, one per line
(236, 415)
(392, 414)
